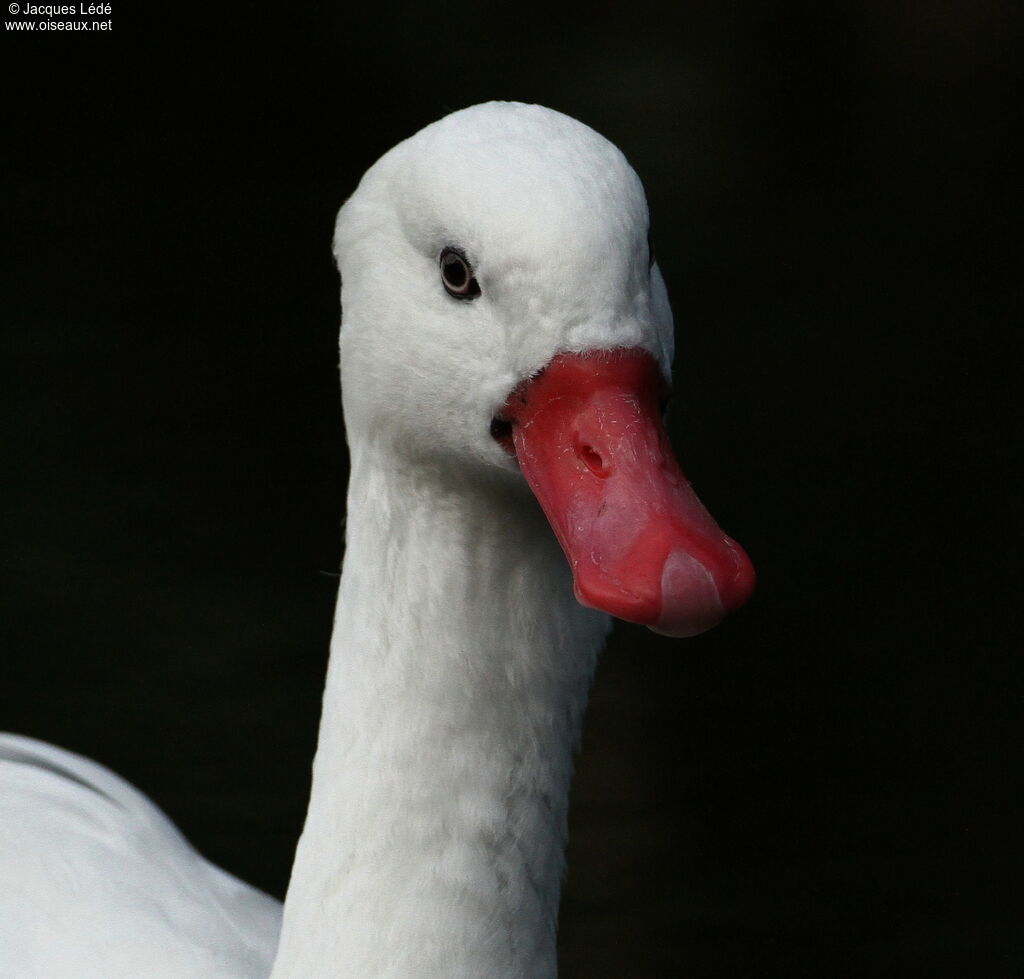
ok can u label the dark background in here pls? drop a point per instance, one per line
(823, 786)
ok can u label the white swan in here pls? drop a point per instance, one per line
(501, 320)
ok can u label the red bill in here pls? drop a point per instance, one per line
(588, 435)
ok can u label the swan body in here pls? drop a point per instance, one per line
(463, 644)
(96, 881)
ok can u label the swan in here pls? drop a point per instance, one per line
(506, 342)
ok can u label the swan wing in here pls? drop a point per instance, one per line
(95, 881)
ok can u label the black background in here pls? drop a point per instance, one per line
(823, 786)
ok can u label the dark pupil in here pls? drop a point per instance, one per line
(455, 271)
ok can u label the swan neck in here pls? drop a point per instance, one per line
(458, 675)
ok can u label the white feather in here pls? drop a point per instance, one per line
(460, 661)
(96, 882)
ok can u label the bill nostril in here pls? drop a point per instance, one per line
(591, 458)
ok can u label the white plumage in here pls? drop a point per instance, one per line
(460, 659)
(96, 881)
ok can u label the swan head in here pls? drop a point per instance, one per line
(493, 266)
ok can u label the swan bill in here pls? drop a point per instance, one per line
(588, 435)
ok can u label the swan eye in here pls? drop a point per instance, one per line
(457, 275)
